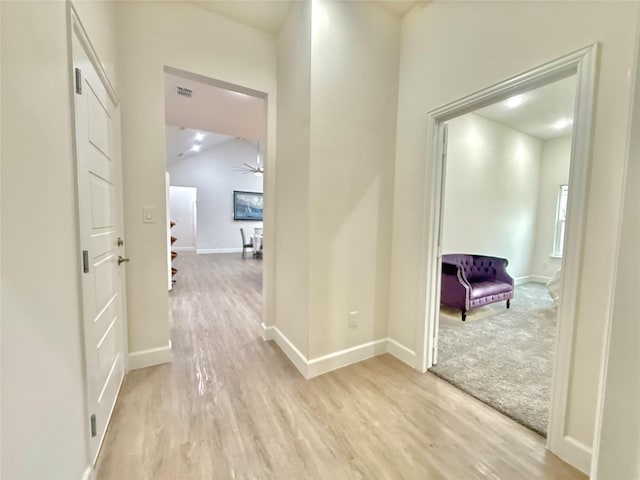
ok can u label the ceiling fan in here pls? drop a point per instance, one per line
(257, 169)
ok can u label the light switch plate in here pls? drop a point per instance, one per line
(148, 214)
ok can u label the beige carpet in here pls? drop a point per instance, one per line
(504, 357)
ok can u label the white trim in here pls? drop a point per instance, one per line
(583, 63)
(631, 150)
(183, 249)
(401, 352)
(218, 250)
(267, 333)
(88, 474)
(531, 279)
(289, 349)
(83, 38)
(150, 357)
(575, 452)
(557, 440)
(342, 358)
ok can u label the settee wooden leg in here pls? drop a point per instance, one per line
(464, 315)
(508, 303)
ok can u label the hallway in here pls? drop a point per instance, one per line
(232, 406)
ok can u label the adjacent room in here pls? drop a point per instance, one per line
(505, 203)
(214, 180)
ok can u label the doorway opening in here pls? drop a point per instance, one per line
(503, 221)
(568, 220)
(215, 163)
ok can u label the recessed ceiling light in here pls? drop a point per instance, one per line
(563, 122)
(195, 148)
(199, 137)
(513, 102)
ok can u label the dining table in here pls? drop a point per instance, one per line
(257, 245)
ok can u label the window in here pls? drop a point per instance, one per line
(561, 221)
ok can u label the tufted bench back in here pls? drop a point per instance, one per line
(476, 267)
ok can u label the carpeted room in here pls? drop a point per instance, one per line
(507, 170)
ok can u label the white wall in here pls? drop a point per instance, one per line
(438, 64)
(292, 247)
(337, 85)
(182, 212)
(556, 158)
(491, 191)
(211, 172)
(184, 36)
(354, 84)
(43, 417)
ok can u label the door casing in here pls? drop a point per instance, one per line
(583, 64)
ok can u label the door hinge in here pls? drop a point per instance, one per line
(85, 261)
(78, 81)
(94, 431)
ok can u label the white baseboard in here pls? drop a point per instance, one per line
(218, 250)
(575, 453)
(183, 249)
(348, 356)
(88, 474)
(531, 279)
(402, 353)
(342, 358)
(267, 333)
(289, 349)
(150, 357)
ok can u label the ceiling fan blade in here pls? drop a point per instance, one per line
(251, 167)
(241, 170)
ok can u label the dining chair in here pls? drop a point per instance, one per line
(245, 244)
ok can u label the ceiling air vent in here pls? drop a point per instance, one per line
(185, 92)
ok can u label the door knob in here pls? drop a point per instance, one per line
(122, 260)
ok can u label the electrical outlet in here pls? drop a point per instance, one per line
(353, 318)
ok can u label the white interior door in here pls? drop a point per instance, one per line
(443, 137)
(100, 221)
(182, 206)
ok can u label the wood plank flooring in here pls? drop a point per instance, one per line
(231, 406)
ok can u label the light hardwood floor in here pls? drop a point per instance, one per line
(232, 406)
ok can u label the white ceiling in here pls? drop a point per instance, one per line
(539, 111)
(270, 15)
(399, 7)
(179, 142)
(214, 109)
(265, 15)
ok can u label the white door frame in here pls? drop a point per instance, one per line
(78, 31)
(583, 63)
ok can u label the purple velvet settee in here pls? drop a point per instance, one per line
(470, 281)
